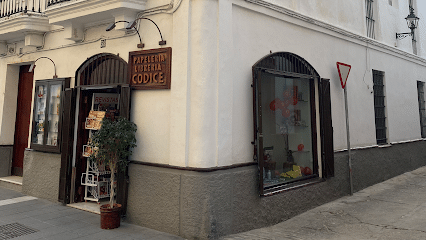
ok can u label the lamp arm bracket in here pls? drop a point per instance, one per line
(54, 65)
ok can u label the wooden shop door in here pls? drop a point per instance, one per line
(22, 123)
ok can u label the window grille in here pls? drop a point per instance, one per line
(422, 112)
(379, 107)
(370, 18)
(103, 68)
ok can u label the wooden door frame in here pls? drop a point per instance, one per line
(66, 159)
(21, 118)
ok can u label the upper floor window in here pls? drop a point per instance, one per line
(379, 107)
(421, 97)
(370, 18)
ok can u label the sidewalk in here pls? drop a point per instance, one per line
(34, 218)
(394, 209)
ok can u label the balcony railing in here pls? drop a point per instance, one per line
(11, 7)
(53, 2)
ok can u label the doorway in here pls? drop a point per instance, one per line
(98, 78)
(22, 123)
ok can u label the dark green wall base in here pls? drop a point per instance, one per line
(41, 175)
(198, 205)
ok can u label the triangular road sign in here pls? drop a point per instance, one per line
(344, 70)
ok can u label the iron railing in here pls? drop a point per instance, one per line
(53, 2)
(379, 107)
(11, 7)
(369, 8)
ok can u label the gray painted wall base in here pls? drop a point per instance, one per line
(6, 153)
(41, 175)
(208, 205)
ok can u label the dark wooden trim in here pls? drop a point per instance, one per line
(326, 129)
(213, 169)
(294, 185)
(253, 86)
(65, 82)
(68, 113)
(123, 176)
(260, 132)
(314, 131)
(101, 86)
(287, 74)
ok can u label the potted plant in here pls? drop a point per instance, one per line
(112, 145)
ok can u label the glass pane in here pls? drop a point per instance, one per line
(39, 114)
(286, 127)
(53, 114)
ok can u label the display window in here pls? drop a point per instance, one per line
(47, 115)
(289, 146)
(287, 129)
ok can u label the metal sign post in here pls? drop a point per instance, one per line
(348, 140)
(344, 70)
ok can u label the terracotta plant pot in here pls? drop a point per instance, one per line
(110, 217)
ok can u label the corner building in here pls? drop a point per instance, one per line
(239, 106)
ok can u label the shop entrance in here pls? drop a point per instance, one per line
(101, 90)
(22, 123)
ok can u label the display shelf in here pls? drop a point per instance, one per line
(96, 181)
(296, 151)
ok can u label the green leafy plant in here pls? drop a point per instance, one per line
(113, 144)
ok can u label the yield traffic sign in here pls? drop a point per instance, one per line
(344, 70)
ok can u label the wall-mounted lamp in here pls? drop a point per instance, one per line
(33, 65)
(112, 26)
(412, 22)
(133, 24)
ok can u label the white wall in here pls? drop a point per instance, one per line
(8, 102)
(206, 118)
(421, 31)
(346, 14)
(258, 31)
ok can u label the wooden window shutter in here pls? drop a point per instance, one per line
(327, 146)
(125, 101)
(123, 177)
(68, 115)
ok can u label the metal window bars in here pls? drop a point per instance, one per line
(379, 107)
(422, 112)
(11, 7)
(370, 18)
(102, 69)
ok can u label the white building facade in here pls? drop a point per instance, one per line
(252, 130)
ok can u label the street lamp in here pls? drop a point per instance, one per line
(133, 24)
(112, 26)
(412, 22)
(33, 66)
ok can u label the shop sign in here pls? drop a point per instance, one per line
(150, 69)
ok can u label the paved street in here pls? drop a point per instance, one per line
(394, 209)
(41, 219)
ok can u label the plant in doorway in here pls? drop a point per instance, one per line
(113, 144)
